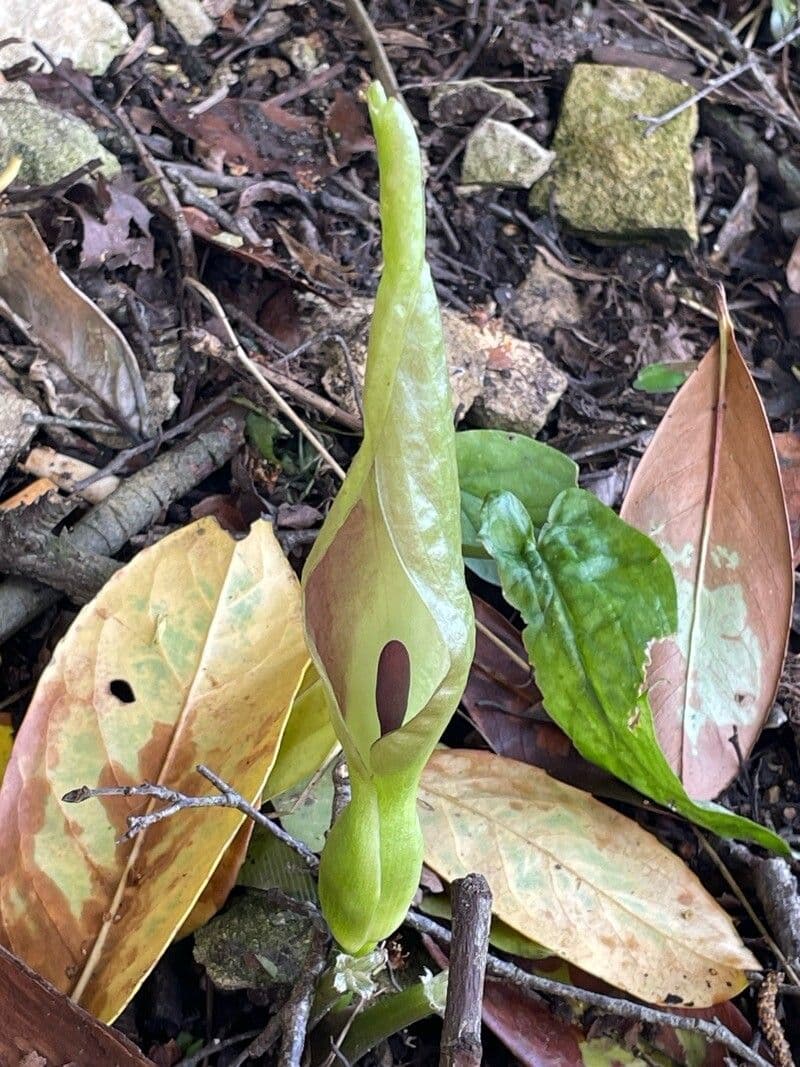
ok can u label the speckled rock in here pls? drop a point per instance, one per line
(461, 102)
(497, 153)
(612, 183)
(521, 386)
(50, 143)
(544, 300)
(254, 945)
(89, 33)
(189, 19)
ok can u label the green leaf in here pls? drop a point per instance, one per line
(262, 434)
(490, 461)
(308, 741)
(272, 864)
(501, 935)
(594, 593)
(305, 810)
(664, 377)
(389, 622)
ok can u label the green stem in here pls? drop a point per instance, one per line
(390, 1014)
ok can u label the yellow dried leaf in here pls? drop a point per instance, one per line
(192, 653)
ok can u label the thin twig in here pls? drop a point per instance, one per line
(372, 42)
(748, 907)
(253, 368)
(122, 458)
(177, 801)
(472, 916)
(213, 1047)
(654, 122)
(294, 1016)
(643, 1013)
(183, 234)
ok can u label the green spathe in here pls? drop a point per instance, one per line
(595, 593)
(388, 619)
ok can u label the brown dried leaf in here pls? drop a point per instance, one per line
(73, 333)
(192, 653)
(41, 1026)
(347, 122)
(708, 491)
(107, 241)
(787, 445)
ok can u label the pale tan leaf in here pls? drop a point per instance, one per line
(581, 879)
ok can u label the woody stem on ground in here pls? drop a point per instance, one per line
(472, 916)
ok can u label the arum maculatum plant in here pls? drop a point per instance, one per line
(388, 619)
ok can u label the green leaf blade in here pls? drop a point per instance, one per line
(594, 594)
(492, 460)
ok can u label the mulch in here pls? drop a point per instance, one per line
(278, 160)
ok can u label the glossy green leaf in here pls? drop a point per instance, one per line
(595, 593)
(388, 619)
(492, 460)
(664, 377)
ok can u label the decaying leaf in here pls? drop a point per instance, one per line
(787, 446)
(192, 653)
(708, 491)
(107, 240)
(595, 592)
(581, 879)
(41, 1027)
(74, 334)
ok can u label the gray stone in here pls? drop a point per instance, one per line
(521, 386)
(610, 182)
(50, 143)
(500, 154)
(462, 102)
(189, 19)
(254, 944)
(90, 33)
(544, 300)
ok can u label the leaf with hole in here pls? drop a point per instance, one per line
(190, 654)
(578, 877)
(708, 491)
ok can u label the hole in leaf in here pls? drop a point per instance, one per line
(392, 686)
(122, 690)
